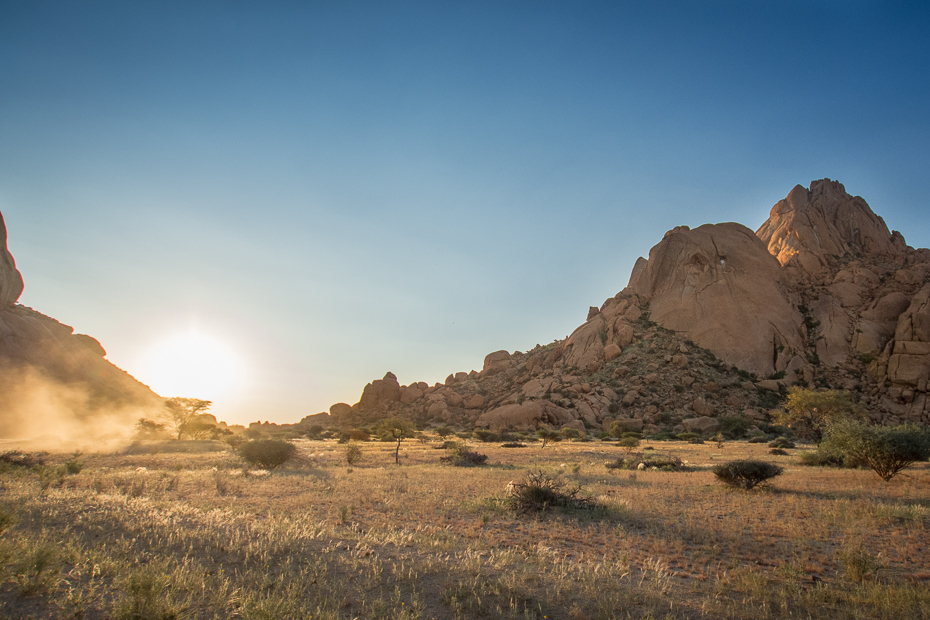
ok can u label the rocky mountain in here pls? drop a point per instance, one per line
(53, 381)
(716, 323)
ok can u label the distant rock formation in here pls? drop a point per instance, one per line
(717, 323)
(54, 381)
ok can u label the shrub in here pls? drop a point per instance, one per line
(315, 431)
(746, 474)
(485, 435)
(734, 427)
(74, 466)
(570, 433)
(541, 491)
(353, 454)
(359, 434)
(443, 431)
(884, 449)
(16, 458)
(824, 458)
(513, 444)
(461, 455)
(266, 453)
(757, 439)
(629, 443)
(687, 436)
(778, 452)
(781, 442)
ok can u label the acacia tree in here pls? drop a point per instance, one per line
(181, 411)
(885, 449)
(809, 412)
(397, 429)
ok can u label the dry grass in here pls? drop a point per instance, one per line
(194, 536)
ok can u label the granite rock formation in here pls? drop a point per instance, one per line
(715, 325)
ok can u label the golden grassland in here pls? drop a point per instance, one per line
(194, 535)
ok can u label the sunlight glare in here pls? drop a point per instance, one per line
(192, 364)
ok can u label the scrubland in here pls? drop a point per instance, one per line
(194, 535)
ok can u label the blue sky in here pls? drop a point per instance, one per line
(339, 189)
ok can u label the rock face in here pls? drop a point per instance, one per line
(55, 381)
(11, 281)
(810, 230)
(719, 284)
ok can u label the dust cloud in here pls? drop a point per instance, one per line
(38, 412)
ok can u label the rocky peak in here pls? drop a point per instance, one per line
(11, 281)
(810, 230)
(719, 285)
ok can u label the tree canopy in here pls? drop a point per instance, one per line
(808, 412)
(181, 411)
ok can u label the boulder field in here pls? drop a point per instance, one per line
(716, 323)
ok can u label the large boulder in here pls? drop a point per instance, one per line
(380, 392)
(528, 415)
(719, 285)
(497, 361)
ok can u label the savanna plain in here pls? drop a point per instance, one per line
(160, 534)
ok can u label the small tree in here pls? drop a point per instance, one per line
(149, 429)
(548, 435)
(181, 411)
(197, 429)
(809, 412)
(443, 431)
(746, 474)
(397, 429)
(885, 449)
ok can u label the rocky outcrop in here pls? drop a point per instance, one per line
(811, 230)
(380, 392)
(11, 281)
(719, 285)
(719, 322)
(55, 381)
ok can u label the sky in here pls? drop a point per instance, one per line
(316, 193)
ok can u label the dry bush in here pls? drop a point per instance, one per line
(540, 491)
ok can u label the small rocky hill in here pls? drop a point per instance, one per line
(53, 381)
(716, 323)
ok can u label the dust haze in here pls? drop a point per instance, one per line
(38, 412)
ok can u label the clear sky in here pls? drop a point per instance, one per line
(326, 191)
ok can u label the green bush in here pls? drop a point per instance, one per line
(734, 427)
(628, 443)
(485, 435)
(267, 453)
(513, 444)
(359, 434)
(746, 474)
(825, 458)
(885, 449)
(782, 442)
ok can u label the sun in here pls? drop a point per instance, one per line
(192, 364)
